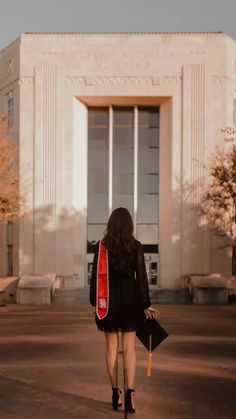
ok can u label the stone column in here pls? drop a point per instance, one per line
(47, 160)
(194, 236)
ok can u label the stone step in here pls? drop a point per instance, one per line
(71, 296)
(170, 296)
(158, 296)
(210, 289)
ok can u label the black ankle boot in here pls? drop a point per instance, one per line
(116, 392)
(128, 401)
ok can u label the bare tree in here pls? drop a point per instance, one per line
(10, 200)
(219, 201)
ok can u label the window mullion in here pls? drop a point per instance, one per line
(110, 160)
(135, 168)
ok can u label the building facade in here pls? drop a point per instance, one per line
(115, 119)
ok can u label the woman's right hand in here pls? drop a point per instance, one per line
(151, 312)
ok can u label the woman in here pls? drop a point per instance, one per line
(127, 295)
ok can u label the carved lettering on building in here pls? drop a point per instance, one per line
(198, 52)
(114, 60)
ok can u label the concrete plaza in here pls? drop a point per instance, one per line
(52, 365)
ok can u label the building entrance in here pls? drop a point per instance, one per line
(123, 170)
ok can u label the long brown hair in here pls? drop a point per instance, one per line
(119, 238)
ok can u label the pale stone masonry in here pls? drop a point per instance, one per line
(54, 78)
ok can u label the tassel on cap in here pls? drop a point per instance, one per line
(149, 366)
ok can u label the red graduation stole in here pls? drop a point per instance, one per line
(102, 300)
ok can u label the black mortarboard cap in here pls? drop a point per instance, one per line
(153, 328)
(151, 334)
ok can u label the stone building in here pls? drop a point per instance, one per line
(115, 119)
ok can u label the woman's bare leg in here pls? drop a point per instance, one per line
(112, 357)
(128, 346)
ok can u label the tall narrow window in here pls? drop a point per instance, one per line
(10, 109)
(9, 241)
(123, 158)
(97, 172)
(148, 175)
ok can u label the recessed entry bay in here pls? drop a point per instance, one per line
(123, 170)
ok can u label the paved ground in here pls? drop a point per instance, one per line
(52, 365)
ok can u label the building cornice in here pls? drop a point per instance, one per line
(122, 80)
(115, 80)
(121, 33)
(222, 79)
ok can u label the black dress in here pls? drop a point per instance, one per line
(128, 293)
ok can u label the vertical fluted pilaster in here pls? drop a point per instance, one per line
(193, 102)
(197, 130)
(45, 168)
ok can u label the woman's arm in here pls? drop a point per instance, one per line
(142, 278)
(93, 282)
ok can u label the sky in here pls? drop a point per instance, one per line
(19, 16)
